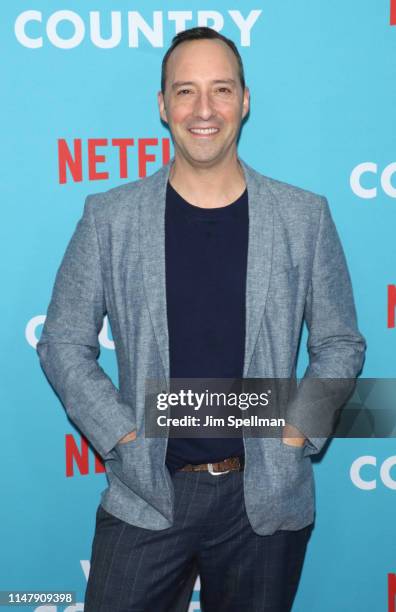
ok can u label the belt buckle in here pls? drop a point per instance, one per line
(210, 470)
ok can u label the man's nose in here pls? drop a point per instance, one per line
(204, 107)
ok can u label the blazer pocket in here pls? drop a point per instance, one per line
(123, 444)
(125, 449)
(126, 461)
(297, 451)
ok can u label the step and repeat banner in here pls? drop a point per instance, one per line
(79, 97)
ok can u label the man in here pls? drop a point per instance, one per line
(205, 269)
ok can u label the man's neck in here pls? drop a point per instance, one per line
(210, 187)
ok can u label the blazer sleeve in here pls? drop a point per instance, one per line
(335, 346)
(68, 347)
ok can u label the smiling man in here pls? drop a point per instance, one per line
(207, 269)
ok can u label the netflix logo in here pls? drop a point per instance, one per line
(393, 12)
(93, 155)
(80, 458)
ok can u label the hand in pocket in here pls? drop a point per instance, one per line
(128, 437)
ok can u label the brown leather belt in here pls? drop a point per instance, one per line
(231, 464)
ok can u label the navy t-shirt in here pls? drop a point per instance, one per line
(206, 262)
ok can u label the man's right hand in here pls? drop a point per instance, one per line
(130, 436)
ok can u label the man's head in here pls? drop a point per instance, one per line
(203, 96)
(201, 33)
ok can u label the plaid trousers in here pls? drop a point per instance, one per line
(142, 570)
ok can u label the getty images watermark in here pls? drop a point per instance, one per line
(260, 407)
(215, 401)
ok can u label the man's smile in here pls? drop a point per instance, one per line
(209, 131)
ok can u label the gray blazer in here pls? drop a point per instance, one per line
(115, 264)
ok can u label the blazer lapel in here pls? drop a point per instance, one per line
(261, 228)
(152, 247)
(152, 244)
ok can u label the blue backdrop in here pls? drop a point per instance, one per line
(77, 79)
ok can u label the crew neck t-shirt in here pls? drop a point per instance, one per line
(206, 263)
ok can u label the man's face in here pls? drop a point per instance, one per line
(203, 102)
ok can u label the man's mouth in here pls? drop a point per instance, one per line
(204, 131)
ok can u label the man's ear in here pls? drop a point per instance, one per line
(245, 102)
(161, 106)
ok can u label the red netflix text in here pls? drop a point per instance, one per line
(79, 457)
(391, 592)
(391, 305)
(93, 155)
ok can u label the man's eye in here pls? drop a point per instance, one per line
(224, 90)
(183, 91)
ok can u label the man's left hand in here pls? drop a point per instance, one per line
(292, 436)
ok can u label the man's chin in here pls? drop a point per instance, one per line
(204, 159)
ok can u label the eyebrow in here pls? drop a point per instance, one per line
(177, 84)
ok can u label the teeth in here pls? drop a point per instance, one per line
(204, 130)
